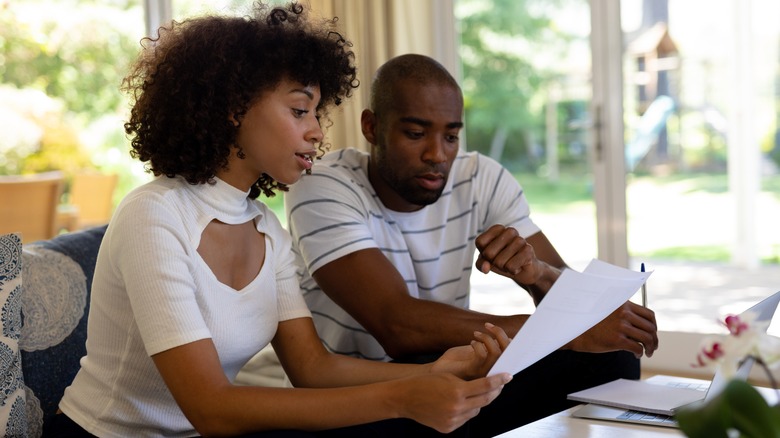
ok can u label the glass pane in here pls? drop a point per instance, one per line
(685, 85)
(61, 67)
(681, 95)
(526, 82)
(186, 8)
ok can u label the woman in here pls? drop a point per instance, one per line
(194, 276)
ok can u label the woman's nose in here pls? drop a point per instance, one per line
(315, 134)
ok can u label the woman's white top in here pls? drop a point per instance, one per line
(153, 292)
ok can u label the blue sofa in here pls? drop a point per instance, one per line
(44, 300)
(44, 294)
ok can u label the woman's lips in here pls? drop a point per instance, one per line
(305, 160)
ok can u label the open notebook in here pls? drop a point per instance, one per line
(653, 403)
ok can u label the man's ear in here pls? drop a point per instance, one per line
(368, 125)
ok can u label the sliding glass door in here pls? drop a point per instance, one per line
(701, 137)
(647, 134)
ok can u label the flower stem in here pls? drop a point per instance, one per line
(769, 374)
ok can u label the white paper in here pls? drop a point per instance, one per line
(576, 302)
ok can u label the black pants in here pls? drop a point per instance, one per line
(61, 426)
(541, 389)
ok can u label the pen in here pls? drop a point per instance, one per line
(644, 288)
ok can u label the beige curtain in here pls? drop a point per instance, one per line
(380, 30)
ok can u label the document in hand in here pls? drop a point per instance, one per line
(575, 303)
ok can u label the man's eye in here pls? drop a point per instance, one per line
(452, 138)
(414, 134)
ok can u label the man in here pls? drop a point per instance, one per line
(387, 242)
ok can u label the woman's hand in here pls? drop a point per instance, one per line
(445, 402)
(475, 360)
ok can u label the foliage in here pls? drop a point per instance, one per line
(38, 136)
(78, 57)
(61, 66)
(499, 39)
(705, 142)
(59, 151)
(739, 407)
(770, 144)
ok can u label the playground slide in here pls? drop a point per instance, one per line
(650, 125)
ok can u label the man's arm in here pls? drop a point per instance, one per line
(402, 324)
(534, 264)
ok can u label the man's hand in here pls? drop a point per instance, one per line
(534, 267)
(475, 360)
(631, 327)
(503, 251)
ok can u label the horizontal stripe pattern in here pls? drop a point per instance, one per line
(335, 212)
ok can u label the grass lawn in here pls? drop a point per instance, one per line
(679, 217)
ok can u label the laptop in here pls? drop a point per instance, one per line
(613, 401)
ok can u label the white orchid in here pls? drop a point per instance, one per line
(739, 409)
(747, 338)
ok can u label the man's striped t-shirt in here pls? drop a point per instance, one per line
(335, 211)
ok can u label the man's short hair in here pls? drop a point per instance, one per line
(410, 67)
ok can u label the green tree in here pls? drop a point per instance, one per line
(75, 51)
(71, 56)
(503, 87)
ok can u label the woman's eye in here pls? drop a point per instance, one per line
(299, 112)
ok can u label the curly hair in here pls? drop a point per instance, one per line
(190, 84)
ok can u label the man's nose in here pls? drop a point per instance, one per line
(434, 151)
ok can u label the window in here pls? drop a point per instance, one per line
(697, 208)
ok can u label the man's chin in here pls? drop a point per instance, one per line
(423, 199)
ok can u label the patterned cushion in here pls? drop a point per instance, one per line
(57, 282)
(13, 419)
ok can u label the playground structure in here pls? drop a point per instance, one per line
(650, 126)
